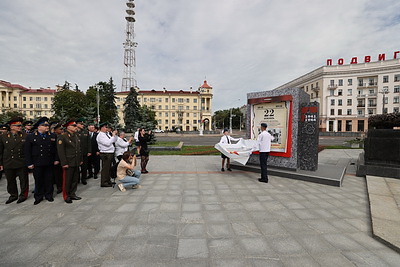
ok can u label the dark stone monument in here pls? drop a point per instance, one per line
(309, 136)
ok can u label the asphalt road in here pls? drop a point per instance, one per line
(210, 140)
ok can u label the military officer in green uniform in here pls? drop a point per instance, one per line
(12, 161)
(69, 153)
(86, 148)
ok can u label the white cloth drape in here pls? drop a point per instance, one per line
(240, 151)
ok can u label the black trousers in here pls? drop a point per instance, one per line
(71, 181)
(44, 181)
(94, 163)
(84, 167)
(106, 163)
(263, 165)
(12, 188)
(58, 180)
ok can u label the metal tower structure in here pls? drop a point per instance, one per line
(129, 79)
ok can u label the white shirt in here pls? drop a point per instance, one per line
(120, 146)
(105, 142)
(136, 136)
(264, 141)
(227, 139)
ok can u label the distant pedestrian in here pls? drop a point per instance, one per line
(137, 142)
(126, 174)
(226, 139)
(122, 144)
(264, 143)
(94, 158)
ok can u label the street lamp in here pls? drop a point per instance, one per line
(230, 119)
(384, 91)
(98, 87)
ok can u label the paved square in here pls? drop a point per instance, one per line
(196, 216)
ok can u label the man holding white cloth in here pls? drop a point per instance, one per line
(264, 144)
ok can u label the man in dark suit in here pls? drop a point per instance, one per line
(57, 129)
(28, 126)
(40, 152)
(94, 158)
(69, 152)
(86, 148)
(12, 161)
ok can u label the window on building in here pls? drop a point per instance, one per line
(173, 121)
(332, 112)
(386, 78)
(332, 102)
(340, 82)
(360, 112)
(395, 100)
(370, 111)
(195, 107)
(172, 107)
(166, 121)
(194, 121)
(349, 91)
(166, 114)
(396, 109)
(24, 105)
(331, 92)
(330, 126)
(45, 106)
(349, 102)
(187, 107)
(397, 78)
(30, 105)
(187, 122)
(187, 100)
(348, 126)
(385, 110)
(31, 99)
(180, 107)
(166, 107)
(307, 88)
(45, 98)
(396, 89)
(180, 100)
(159, 107)
(24, 98)
(312, 95)
(15, 105)
(159, 114)
(173, 114)
(173, 100)
(38, 99)
(360, 126)
(195, 100)
(145, 99)
(339, 112)
(371, 91)
(153, 107)
(30, 112)
(332, 82)
(349, 112)
(339, 125)
(152, 99)
(166, 100)
(340, 92)
(159, 121)
(349, 81)
(340, 102)
(187, 114)
(195, 115)
(386, 100)
(160, 99)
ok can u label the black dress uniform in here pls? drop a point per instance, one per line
(69, 152)
(94, 158)
(40, 152)
(86, 148)
(13, 162)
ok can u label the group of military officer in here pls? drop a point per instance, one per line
(54, 156)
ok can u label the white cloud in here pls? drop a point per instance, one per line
(239, 46)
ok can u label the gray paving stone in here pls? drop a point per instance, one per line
(285, 245)
(192, 248)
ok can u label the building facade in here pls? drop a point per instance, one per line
(349, 94)
(32, 103)
(185, 110)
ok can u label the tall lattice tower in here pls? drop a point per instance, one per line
(129, 79)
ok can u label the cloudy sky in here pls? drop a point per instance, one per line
(238, 46)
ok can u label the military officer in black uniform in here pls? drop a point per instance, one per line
(94, 158)
(28, 126)
(56, 129)
(40, 156)
(12, 161)
(69, 152)
(3, 129)
(86, 148)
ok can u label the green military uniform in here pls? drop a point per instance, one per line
(86, 148)
(13, 161)
(69, 152)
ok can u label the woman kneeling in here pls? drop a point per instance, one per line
(126, 174)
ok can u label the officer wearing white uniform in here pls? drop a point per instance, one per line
(264, 143)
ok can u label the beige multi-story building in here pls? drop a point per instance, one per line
(32, 103)
(185, 110)
(349, 94)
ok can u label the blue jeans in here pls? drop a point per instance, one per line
(131, 180)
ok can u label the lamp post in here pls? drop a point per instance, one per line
(384, 91)
(230, 119)
(98, 87)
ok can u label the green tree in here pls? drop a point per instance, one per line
(132, 111)
(8, 115)
(108, 109)
(221, 118)
(69, 104)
